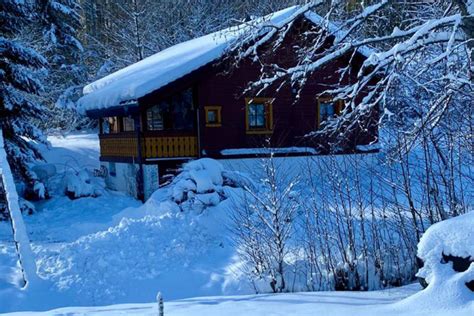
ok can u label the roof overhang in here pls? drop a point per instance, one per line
(124, 109)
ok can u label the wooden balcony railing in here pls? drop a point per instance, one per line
(170, 147)
(125, 146)
(116, 145)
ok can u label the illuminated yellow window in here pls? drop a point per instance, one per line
(213, 116)
(259, 115)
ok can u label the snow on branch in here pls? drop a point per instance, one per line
(416, 41)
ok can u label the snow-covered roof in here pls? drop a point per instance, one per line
(158, 70)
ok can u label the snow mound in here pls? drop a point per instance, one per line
(79, 184)
(447, 290)
(136, 254)
(452, 237)
(201, 184)
(202, 176)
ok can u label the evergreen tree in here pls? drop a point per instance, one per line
(58, 41)
(19, 69)
(22, 71)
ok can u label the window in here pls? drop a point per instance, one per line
(104, 126)
(327, 109)
(183, 110)
(259, 115)
(112, 169)
(154, 119)
(213, 116)
(113, 124)
(128, 124)
(173, 113)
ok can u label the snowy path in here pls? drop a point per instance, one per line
(301, 304)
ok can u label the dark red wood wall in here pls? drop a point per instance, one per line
(292, 120)
(222, 84)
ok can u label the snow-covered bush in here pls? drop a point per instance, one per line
(264, 226)
(40, 175)
(447, 252)
(79, 184)
(201, 184)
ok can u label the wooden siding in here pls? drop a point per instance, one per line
(292, 117)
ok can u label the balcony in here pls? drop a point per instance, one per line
(154, 145)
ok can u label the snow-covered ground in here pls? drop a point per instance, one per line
(89, 254)
(339, 303)
(112, 249)
(388, 303)
(59, 220)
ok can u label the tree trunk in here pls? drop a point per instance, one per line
(25, 254)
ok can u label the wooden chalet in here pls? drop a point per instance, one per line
(187, 102)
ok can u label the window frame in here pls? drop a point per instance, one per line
(338, 106)
(268, 114)
(218, 110)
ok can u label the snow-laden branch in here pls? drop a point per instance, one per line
(408, 44)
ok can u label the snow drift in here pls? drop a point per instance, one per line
(174, 243)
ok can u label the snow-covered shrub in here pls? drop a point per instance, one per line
(200, 184)
(447, 252)
(37, 186)
(79, 184)
(264, 228)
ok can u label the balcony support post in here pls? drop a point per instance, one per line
(140, 176)
(198, 120)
